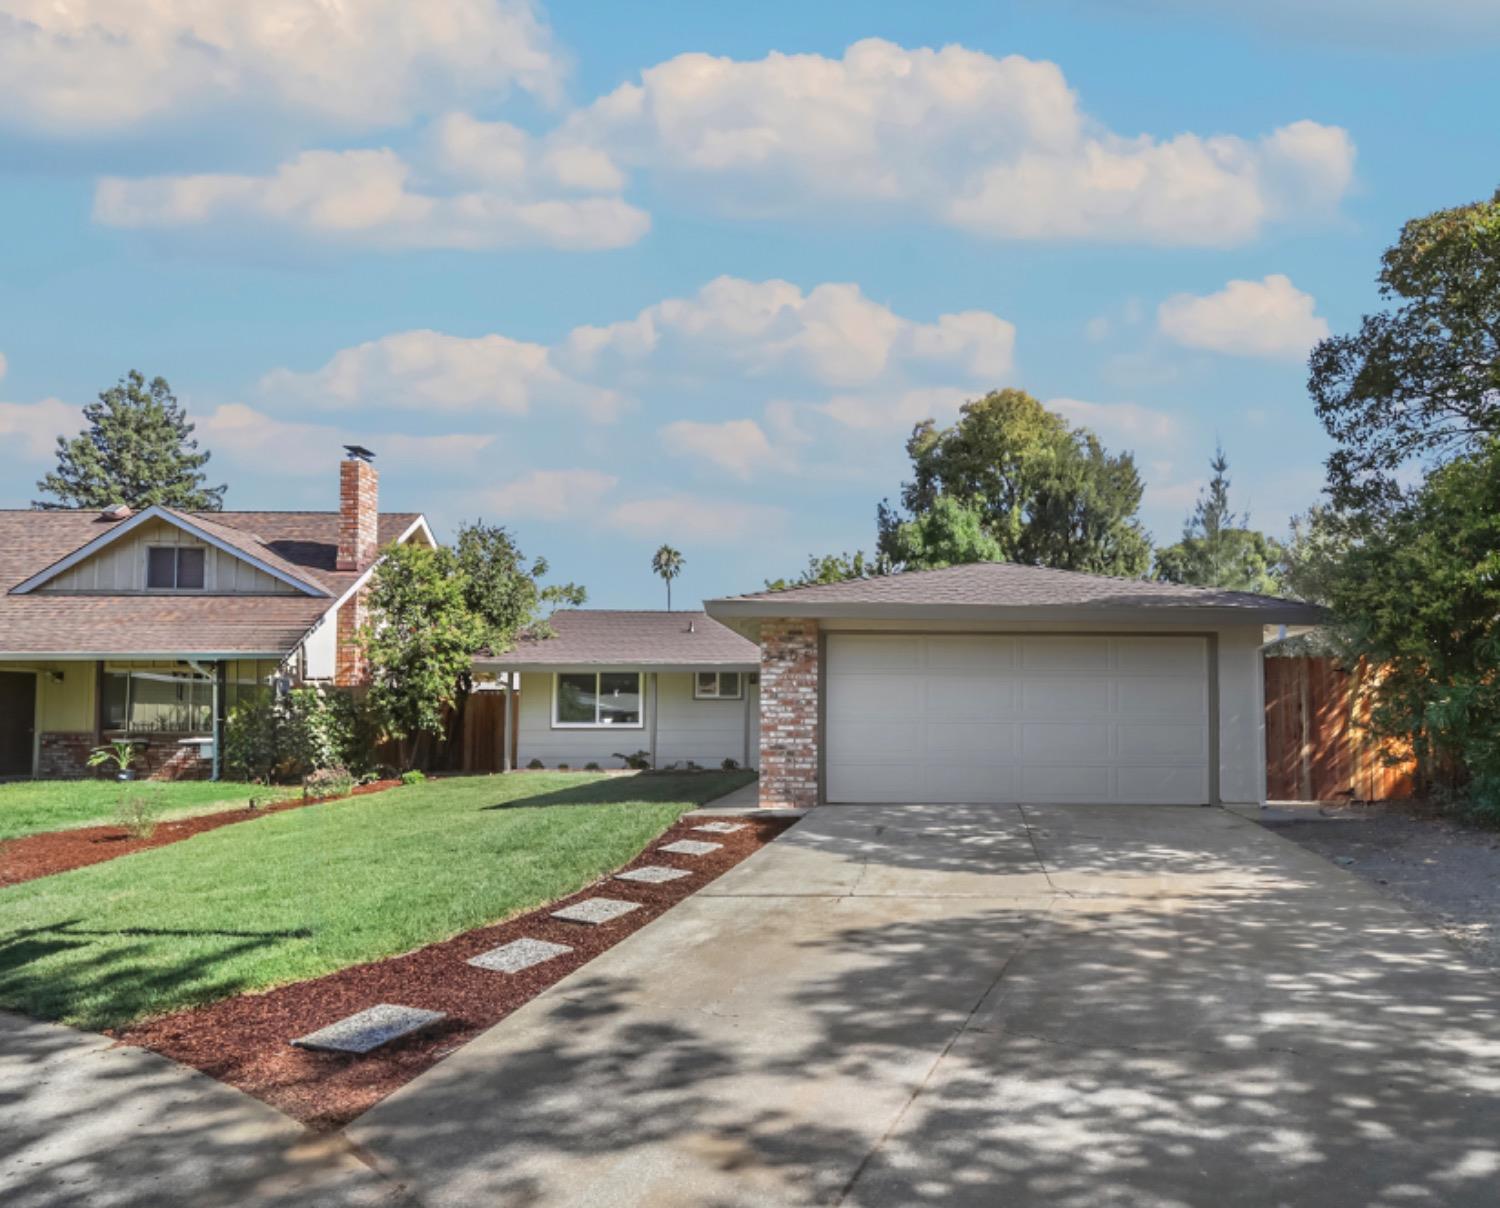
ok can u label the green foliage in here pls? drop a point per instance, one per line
(420, 640)
(1218, 548)
(829, 568)
(536, 765)
(31, 807)
(667, 564)
(121, 753)
(335, 781)
(1045, 493)
(592, 766)
(138, 450)
(640, 760)
(283, 739)
(415, 776)
(1422, 378)
(730, 765)
(500, 589)
(1321, 538)
(1417, 593)
(137, 814)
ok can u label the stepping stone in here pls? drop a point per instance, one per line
(369, 1029)
(721, 828)
(690, 847)
(652, 874)
(595, 910)
(517, 955)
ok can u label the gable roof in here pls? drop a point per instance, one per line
(83, 625)
(1016, 591)
(598, 637)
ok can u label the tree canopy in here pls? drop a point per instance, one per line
(1422, 378)
(1013, 481)
(138, 449)
(667, 564)
(828, 568)
(1220, 549)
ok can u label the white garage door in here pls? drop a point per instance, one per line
(1017, 718)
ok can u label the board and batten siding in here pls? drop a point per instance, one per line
(121, 566)
(705, 732)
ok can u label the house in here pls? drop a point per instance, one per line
(676, 686)
(153, 624)
(997, 682)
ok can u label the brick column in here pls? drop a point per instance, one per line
(350, 667)
(789, 714)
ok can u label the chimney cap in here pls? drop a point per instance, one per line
(117, 511)
(359, 453)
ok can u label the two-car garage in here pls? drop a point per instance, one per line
(1018, 718)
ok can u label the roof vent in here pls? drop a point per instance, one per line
(359, 453)
(691, 628)
(116, 511)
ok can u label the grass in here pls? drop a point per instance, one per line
(31, 806)
(301, 893)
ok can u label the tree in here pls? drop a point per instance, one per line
(1423, 378)
(420, 640)
(1220, 549)
(829, 568)
(1321, 539)
(1046, 493)
(138, 450)
(949, 533)
(1417, 595)
(667, 563)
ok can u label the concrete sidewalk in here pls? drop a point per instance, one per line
(896, 1006)
(88, 1124)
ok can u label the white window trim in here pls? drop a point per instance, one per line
(177, 571)
(718, 685)
(640, 682)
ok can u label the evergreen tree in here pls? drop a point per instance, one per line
(1218, 548)
(138, 450)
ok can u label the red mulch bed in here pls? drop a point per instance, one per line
(245, 1041)
(41, 855)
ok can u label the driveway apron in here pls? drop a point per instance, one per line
(949, 1005)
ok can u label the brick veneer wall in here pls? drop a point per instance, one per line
(789, 713)
(65, 754)
(350, 667)
(359, 514)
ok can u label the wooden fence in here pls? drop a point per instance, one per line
(1317, 747)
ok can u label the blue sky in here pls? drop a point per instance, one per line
(617, 275)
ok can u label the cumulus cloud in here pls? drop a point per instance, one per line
(552, 494)
(99, 66)
(371, 198)
(1270, 318)
(737, 446)
(683, 517)
(1117, 423)
(996, 146)
(36, 426)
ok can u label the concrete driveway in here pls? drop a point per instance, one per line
(951, 1006)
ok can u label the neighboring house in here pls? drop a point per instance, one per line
(152, 625)
(675, 685)
(1004, 683)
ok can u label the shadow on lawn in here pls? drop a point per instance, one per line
(646, 787)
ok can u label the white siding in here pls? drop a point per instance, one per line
(705, 732)
(121, 566)
(320, 650)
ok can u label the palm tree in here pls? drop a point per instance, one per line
(668, 563)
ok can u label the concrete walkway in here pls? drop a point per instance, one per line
(87, 1124)
(898, 1006)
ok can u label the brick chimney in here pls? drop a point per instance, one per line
(359, 510)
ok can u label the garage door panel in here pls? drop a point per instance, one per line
(1064, 697)
(878, 696)
(1175, 698)
(1167, 785)
(1065, 654)
(1058, 741)
(1160, 656)
(964, 698)
(967, 657)
(1167, 742)
(870, 654)
(957, 782)
(1080, 784)
(872, 782)
(877, 741)
(978, 742)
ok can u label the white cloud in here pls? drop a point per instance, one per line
(996, 146)
(683, 517)
(889, 412)
(366, 198)
(96, 66)
(36, 426)
(551, 494)
(1389, 24)
(1117, 423)
(1270, 318)
(737, 446)
(427, 370)
(4, 365)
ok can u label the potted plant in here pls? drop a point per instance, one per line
(121, 753)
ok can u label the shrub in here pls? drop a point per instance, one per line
(591, 766)
(562, 767)
(536, 765)
(730, 765)
(328, 782)
(121, 753)
(137, 813)
(640, 761)
(413, 777)
(268, 738)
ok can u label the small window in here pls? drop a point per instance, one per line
(718, 685)
(174, 568)
(604, 698)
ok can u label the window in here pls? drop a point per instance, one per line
(718, 685)
(602, 698)
(158, 702)
(174, 568)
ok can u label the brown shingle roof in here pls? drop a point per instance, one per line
(304, 544)
(1010, 585)
(607, 637)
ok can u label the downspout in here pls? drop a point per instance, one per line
(655, 693)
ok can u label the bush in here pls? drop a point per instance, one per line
(640, 761)
(268, 738)
(327, 782)
(562, 767)
(137, 813)
(413, 777)
(730, 765)
(591, 766)
(536, 765)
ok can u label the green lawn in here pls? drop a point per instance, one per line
(301, 893)
(29, 806)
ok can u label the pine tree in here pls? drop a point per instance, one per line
(138, 449)
(1220, 549)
